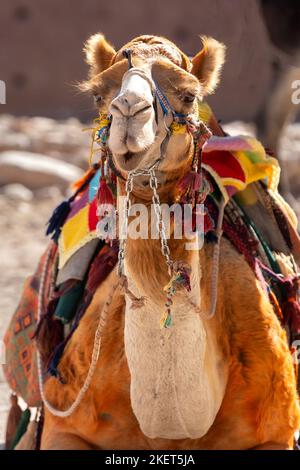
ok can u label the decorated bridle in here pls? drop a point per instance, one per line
(195, 186)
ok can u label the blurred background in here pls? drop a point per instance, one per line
(42, 146)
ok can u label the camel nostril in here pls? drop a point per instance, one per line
(120, 106)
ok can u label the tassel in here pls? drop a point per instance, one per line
(181, 276)
(291, 306)
(191, 182)
(291, 312)
(57, 220)
(22, 427)
(105, 195)
(167, 320)
(106, 205)
(40, 426)
(53, 366)
(289, 286)
(49, 333)
(28, 440)
(194, 188)
(62, 211)
(13, 420)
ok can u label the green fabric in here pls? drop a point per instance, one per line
(273, 263)
(22, 427)
(68, 303)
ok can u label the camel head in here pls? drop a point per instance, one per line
(127, 89)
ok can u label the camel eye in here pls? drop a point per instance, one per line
(98, 99)
(189, 98)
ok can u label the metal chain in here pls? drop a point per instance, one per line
(159, 221)
(200, 133)
(122, 238)
(158, 212)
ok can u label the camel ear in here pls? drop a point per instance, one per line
(207, 64)
(98, 53)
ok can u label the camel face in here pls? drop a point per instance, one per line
(139, 126)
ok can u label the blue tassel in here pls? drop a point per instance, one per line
(57, 219)
(53, 366)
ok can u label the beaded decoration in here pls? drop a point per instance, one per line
(180, 278)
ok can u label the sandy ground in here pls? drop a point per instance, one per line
(22, 227)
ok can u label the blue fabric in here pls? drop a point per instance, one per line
(94, 185)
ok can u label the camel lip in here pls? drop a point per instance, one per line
(128, 161)
(128, 156)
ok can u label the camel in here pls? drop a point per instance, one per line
(220, 382)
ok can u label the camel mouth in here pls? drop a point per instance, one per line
(128, 156)
(128, 161)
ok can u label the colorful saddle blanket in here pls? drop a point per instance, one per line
(232, 162)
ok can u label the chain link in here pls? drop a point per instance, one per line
(158, 213)
(123, 235)
(159, 221)
(200, 133)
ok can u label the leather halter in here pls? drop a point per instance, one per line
(158, 98)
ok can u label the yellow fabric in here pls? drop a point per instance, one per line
(177, 128)
(204, 112)
(74, 235)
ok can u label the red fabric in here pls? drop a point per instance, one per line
(224, 164)
(93, 218)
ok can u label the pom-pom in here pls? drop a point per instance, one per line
(105, 195)
(58, 219)
(166, 321)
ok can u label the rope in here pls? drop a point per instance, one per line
(95, 353)
(215, 269)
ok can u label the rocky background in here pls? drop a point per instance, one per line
(43, 58)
